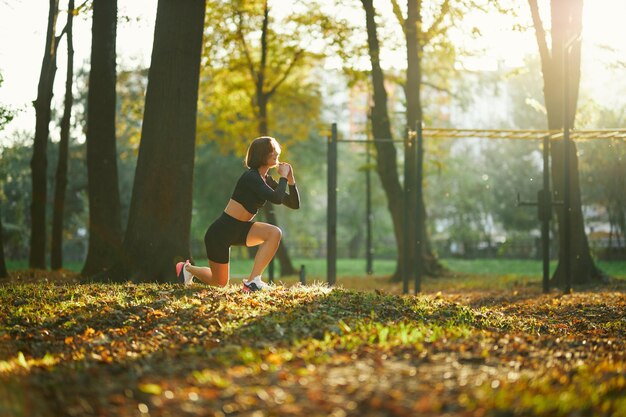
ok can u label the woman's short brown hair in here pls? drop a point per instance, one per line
(260, 150)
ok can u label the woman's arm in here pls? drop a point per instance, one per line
(270, 191)
(292, 199)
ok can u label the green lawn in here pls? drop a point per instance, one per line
(316, 268)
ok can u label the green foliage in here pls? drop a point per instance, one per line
(526, 96)
(472, 198)
(513, 167)
(6, 113)
(351, 194)
(15, 179)
(235, 71)
(602, 170)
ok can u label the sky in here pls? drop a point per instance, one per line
(22, 29)
(20, 59)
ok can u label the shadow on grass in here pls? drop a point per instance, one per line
(167, 350)
(104, 349)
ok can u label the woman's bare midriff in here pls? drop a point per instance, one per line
(236, 210)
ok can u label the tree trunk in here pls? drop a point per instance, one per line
(428, 260)
(566, 22)
(386, 164)
(3, 266)
(105, 219)
(39, 161)
(583, 269)
(56, 258)
(160, 211)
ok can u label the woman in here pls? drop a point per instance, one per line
(235, 225)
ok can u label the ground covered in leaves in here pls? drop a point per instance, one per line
(162, 350)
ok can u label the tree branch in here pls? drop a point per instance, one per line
(432, 31)
(296, 58)
(244, 46)
(77, 9)
(57, 39)
(398, 13)
(540, 32)
(266, 18)
(438, 88)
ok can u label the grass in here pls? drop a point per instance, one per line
(162, 350)
(316, 268)
(356, 267)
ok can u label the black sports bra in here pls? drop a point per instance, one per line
(252, 192)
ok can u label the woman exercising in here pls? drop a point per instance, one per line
(235, 225)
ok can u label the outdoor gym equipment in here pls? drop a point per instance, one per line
(414, 140)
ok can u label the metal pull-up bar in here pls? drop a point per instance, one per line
(413, 149)
(331, 218)
(411, 265)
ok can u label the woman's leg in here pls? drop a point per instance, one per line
(268, 236)
(217, 274)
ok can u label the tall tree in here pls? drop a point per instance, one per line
(416, 38)
(386, 164)
(434, 37)
(39, 161)
(105, 224)
(56, 258)
(160, 209)
(412, 27)
(566, 28)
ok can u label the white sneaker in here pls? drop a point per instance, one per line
(255, 284)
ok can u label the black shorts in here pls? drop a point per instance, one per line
(225, 232)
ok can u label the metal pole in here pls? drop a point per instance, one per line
(405, 232)
(369, 268)
(419, 221)
(566, 173)
(302, 275)
(545, 207)
(331, 230)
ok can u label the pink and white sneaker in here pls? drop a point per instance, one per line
(184, 277)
